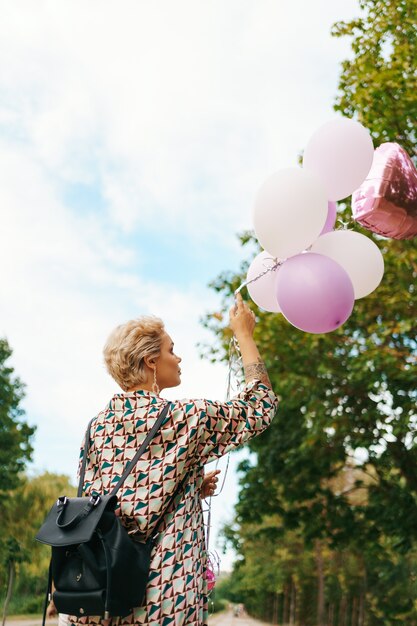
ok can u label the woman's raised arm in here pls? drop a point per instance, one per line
(242, 322)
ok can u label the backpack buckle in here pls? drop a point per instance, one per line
(62, 500)
(95, 500)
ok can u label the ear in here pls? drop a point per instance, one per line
(150, 362)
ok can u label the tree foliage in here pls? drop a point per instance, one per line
(22, 501)
(15, 433)
(379, 84)
(22, 517)
(339, 463)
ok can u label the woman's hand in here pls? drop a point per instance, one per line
(51, 610)
(242, 322)
(242, 319)
(209, 484)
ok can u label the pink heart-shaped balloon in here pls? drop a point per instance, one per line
(386, 202)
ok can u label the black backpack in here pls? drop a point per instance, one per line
(96, 567)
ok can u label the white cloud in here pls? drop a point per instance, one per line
(181, 108)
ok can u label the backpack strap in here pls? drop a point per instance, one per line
(48, 593)
(135, 459)
(84, 463)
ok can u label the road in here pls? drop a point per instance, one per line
(228, 619)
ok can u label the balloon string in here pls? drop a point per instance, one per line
(235, 367)
(273, 267)
(210, 499)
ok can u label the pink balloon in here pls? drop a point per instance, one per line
(386, 202)
(314, 292)
(331, 218)
(263, 290)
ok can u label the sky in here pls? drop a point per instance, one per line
(134, 136)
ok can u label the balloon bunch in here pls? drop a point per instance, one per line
(307, 271)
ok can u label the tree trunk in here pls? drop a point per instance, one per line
(330, 615)
(275, 609)
(346, 612)
(342, 611)
(10, 583)
(361, 616)
(354, 615)
(292, 603)
(280, 609)
(285, 613)
(320, 585)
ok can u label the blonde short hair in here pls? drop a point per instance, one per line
(127, 347)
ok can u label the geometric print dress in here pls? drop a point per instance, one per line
(193, 433)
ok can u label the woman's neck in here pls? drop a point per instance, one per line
(144, 387)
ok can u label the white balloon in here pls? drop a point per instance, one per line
(263, 290)
(340, 153)
(357, 254)
(290, 212)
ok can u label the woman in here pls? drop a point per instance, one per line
(140, 356)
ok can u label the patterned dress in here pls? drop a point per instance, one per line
(193, 433)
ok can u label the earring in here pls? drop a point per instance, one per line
(155, 387)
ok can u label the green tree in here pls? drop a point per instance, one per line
(27, 508)
(379, 84)
(13, 555)
(350, 396)
(15, 452)
(15, 433)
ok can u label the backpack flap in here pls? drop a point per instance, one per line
(74, 520)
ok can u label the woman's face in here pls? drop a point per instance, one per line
(168, 372)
